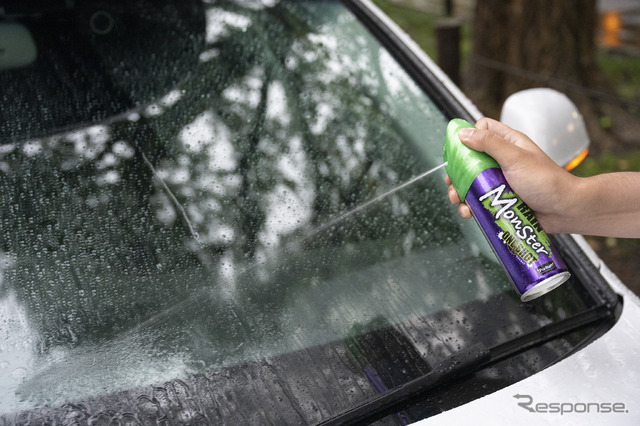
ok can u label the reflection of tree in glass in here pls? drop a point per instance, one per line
(291, 120)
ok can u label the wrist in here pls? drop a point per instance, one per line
(599, 205)
(568, 205)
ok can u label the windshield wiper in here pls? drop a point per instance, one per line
(453, 367)
(461, 364)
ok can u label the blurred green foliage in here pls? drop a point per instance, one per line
(420, 24)
(417, 23)
(622, 71)
(608, 162)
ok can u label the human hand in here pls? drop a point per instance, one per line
(536, 178)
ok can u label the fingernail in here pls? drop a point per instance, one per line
(465, 133)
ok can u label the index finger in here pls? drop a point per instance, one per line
(504, 131)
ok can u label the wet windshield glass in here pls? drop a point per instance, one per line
(194, 194)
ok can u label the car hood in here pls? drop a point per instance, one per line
(597, 385)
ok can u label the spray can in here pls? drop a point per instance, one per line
(509, 225)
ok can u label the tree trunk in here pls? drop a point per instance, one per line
(519, 44)
(522, 43)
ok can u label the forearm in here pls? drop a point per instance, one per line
(606, 205)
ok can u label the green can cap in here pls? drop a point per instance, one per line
(463, 163)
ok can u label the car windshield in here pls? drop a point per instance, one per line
(221, 210)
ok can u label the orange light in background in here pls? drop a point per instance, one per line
(573, 163)
(611, 28)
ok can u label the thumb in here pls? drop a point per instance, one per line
(500, 149)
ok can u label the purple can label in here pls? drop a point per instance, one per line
(524, 249)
